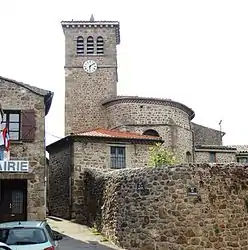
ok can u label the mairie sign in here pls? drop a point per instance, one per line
(14, 166)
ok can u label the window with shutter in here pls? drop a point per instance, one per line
(28, 125)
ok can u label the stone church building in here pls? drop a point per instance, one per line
(106, 130)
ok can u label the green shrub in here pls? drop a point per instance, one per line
(161, 156)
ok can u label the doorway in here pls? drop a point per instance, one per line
(13, 200)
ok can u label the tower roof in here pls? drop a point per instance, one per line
(93, 23)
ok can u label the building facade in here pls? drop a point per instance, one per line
(99, 148)
(22, 172)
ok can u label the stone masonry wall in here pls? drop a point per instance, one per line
(206, 136)
(97, 155)
(182, 207)
(221, 157)
(18, 98)
(172, 124)
(59, 180)
(85, 92)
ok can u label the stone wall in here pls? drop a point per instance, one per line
(97, 155)
(206, 136)
(181, 207)
(221, 157)
(59, 182)
(15, 97)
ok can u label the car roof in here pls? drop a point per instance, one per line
(3, 244)
(22, 224)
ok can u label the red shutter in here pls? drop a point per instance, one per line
(28, 125)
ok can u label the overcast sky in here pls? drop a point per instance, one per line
(194, 52)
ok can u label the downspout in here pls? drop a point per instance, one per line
(71, 171)
(193, 142)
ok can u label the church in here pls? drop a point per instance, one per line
(108, 131)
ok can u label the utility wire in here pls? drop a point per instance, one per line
(58, 137)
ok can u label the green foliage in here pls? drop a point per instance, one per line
(160, 156)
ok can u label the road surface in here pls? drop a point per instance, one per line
(76, 236)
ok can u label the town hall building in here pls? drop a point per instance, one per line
(23, 159)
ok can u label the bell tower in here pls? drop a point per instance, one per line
(90, 72)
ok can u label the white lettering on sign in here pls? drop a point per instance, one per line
(14, 166)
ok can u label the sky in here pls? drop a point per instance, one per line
(194, 52)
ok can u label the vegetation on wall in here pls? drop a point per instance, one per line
(160, 156)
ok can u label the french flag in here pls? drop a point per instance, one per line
(6, 139)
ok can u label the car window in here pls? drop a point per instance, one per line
(22, 236)
(50, 231)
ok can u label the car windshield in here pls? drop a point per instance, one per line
(22, 236)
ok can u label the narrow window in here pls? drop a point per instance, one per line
(90, 45)
(212, 157)
(118, 157)
(80, 45)
(188, 157)
(11, 120)
(100, 45)
(243, 160)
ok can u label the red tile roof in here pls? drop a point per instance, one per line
(117, 134)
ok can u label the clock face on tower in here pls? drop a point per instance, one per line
(90, 66)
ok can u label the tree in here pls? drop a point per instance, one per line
(160, 156)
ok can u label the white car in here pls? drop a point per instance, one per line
(28, 235)
(4, 246)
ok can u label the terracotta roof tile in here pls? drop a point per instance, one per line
(117, 134)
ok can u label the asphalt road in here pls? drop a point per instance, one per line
(68, 243)
(76, 236)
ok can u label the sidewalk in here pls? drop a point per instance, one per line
(78, 236)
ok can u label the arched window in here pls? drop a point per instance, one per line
(188, 157)
(100, 45)
(90, 45)
(151, 132)
(80, 45)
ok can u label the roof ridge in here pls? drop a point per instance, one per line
(115, 133)
(34, 89)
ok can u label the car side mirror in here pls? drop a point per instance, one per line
(57, 237)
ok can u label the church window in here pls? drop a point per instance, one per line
(80, 45)
(118, 157)
(99, 45)
(90, 45)
(151, 132)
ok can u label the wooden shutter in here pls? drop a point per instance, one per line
(28, 125)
